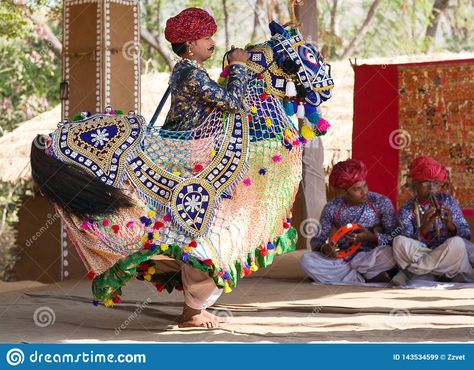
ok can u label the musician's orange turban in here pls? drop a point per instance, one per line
(347, 173)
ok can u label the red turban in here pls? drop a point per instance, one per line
(347, 173)
(189, 25)
(426, 169)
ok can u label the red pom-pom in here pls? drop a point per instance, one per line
(159, 287)
(263, 96)
(193, 244)
(116, 228)
(198, 167)
(247, 271)
(249, 118)
(260, 77)
(116, 299)
(90, 275)
(286, 225)
(208, 262)
(158, 225)
(264, 252)
(276, 158)
(147, 244)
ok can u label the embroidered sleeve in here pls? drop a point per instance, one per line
(406, 222)
(462, 227)
(388, 220)
(324, 228)
(228, 99)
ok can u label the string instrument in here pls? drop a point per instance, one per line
(435, 204)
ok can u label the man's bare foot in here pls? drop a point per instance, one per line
(193, 318)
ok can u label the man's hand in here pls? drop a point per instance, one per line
(365, 236)
(427, 222)
(447, 219)
(329, 250)
(238, 56)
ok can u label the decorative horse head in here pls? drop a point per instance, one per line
(295, 72)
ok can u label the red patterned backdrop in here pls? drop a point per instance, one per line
(402, 111)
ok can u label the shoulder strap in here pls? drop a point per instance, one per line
(159, 108)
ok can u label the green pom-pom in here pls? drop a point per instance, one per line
(77, 117)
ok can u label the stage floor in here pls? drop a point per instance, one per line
(261, 310)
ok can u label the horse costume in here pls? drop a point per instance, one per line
(217, 197)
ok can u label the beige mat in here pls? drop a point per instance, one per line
(260, 310)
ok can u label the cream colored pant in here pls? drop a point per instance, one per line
(200, 291)
(449, 259)
(328, 270)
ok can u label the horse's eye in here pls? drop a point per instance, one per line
(310, 57)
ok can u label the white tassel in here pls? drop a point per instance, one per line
(290, 89)
(300, 111)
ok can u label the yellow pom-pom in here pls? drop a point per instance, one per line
(177, 173)
(227, 288)
(253, 109)
(151, 214)
(288, 133)
(144, 238)
(253, 267)
(306, 132)
(213, 153)
(164, 247)
(268, 122)
(151, 270)
(108, 303)
(187, 248)
(147, 277)
(155, 235)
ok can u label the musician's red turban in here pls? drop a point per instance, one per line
(347, 173)
(189, 25)
(426, 169)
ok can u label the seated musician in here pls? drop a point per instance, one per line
(373, 212)
(434, 233)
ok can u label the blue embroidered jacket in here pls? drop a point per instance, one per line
(194, 94)
(376, 213)
(406, 218)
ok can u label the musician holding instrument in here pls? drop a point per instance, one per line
(434, 231)
(372, 219)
